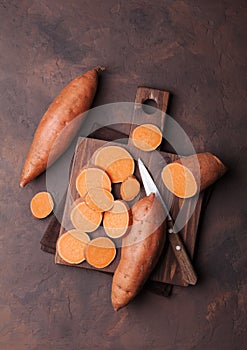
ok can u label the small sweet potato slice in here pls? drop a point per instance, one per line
(71, 246)
(189, 175)
(99, 199)
(116, 161)
(116, 221)
(85, 218)
(89, 178)
(100, 252)
(129, 188)
(146, 137)
(41, 205)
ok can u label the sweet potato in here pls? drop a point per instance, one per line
(146, 137)
(56, 129)
(100, 252)
(41, 205)
(192, 174)
(116, 221)
(84, 218)
(129, 188)
(91, 177)
(141, 249)
(99, 199)
(71, 246)
(116, 161)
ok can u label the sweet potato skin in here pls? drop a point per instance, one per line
(210, 168)
(140, 251)
(55, 130)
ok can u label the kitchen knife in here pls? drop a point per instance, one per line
(179, 250)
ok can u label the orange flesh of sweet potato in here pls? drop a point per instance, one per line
(100, 252)
(71, 246)
(41, 205)
(116, 221)
(99, 199)
(129, 188)
(192, 174)
(75, 99)
(179, 180)
(141, 249)
(84, 218)
(89, 178)
(146, 137)
(116, 161)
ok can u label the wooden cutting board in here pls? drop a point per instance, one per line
(167, 270)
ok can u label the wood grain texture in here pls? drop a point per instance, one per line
(167, 270)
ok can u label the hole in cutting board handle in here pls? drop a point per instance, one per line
(149, 106)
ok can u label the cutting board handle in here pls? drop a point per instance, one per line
(160, 97)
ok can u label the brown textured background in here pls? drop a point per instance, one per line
(195, 49)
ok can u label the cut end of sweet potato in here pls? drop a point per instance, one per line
(179, 180)
(146, 137)
(89, 178)
(99, 199)
(71, 246)
(116, 221)
(116, 161)
(85, 218)
(41, 205)
(129, 188)
(100, 252)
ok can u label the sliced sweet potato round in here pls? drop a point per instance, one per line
(192, 174)
(179, 180)
(129, 188)
(41, 205)
(71, 246)
(100, 252)
(116, 161)
(146, 137)
(99, 199)
(85, 218)
(116, 221)
(89, 178)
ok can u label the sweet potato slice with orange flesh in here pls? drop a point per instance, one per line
(129, 188)
(89, 178)
(60, 124)
(71, 246)
(146, 137)
(41, 205)
(85, 218)
(100, 252)
(192, 174)
(116, 221)
(99, 199)
(116, 161)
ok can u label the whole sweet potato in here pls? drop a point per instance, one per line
(60, 124)
(140, 252)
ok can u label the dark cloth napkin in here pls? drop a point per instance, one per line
(50, 236)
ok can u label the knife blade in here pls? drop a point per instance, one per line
(178, 247)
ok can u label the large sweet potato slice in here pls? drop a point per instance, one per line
(71, 246)
(100, 252)
(116, 221)
(146, 137)
(192, 174)
(91, 177)
(116, 161)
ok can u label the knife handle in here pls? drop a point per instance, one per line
(184, 261)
